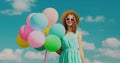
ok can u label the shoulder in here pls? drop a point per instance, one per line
(79, 33)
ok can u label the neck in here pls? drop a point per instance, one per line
(69, 28)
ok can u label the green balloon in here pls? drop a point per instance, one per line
(52, 43)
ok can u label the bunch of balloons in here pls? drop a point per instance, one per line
(41, 31)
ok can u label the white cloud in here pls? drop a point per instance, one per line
(111, 43)
(81, 18)
(94, 61)
(89, 19)
(18, 51)
(96, 19)
(107, 52)
(110, 49)
(87, 61)
(88, 46)
(9, 54)
(17, 55)
(34, 55)
(18, 7)
(97, 61)
(99, 18)
(52, 55)
(84, 33)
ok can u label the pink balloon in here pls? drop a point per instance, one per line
(28, 18)
(36, 39)
(52, 15)
(24, 32)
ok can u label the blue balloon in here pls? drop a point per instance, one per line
(39, 21)
(57, 29)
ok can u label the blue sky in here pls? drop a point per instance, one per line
(99, 25)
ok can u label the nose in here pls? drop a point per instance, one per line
(69, 20)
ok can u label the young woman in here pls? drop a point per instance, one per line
(71, 50)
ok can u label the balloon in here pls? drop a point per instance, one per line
(40, 48)
(57, 29)
(52, 15)
(46, 31)
(52, 43)
(22, 43)
(28, 18)
(36, 39)
(39, 21)
(25, 30)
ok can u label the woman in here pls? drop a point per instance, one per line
(71, 50)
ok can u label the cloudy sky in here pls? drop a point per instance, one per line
(99, 25)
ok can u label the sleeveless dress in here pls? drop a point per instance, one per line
(70, 45)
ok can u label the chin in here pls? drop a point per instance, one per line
(69, 25)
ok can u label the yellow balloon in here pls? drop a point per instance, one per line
(46, 31)
(22, 43)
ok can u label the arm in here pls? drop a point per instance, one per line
(80, 47)
(59, 51)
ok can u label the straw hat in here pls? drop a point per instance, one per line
(66, 13)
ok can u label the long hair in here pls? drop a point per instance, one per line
(75, 23)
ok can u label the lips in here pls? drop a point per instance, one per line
(69, 22)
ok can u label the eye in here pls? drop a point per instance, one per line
(67, 19)
(72, 19)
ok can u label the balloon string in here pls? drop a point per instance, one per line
(45, 56)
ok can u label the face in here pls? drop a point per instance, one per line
(69, 20)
